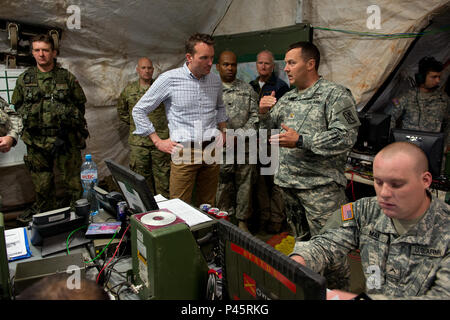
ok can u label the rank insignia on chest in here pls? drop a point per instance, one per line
(291, 115)
(347, 212)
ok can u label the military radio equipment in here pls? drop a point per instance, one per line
(167, 260)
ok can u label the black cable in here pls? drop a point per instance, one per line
(109, 269)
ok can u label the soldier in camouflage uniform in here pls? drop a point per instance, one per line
(10, 126)
(10, 129)
(424, 108)
(236, 180)
(52, 105)
(145, 158)
(320, 126)
(402, 233)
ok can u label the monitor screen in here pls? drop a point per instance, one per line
(5, 288)
(373, 134)
(251, 269)
(431, 143)
(134, 188)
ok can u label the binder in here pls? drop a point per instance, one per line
(17, 244)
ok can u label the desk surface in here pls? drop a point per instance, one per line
(121, 265)
(357, 178)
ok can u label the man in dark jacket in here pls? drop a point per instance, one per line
(268, 195)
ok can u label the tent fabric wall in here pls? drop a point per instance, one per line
(103, 53)
(360, 63)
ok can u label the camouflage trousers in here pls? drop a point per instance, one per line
(307, 212)
(269, 198)
(235, 189)
(41, 163)
(153, 165)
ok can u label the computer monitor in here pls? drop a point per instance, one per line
(5, 281)
(430, 142)
(251, 269)
(134, 188)
(373, 134)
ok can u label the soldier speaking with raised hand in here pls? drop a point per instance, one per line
(319, 126)
(52, 105)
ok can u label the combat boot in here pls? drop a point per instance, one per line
(243, 226)
(273, 227)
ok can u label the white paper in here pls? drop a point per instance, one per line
(15, 242)
(159, 198)
(184, 211)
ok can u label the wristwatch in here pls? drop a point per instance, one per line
(299, 142)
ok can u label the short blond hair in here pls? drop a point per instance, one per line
(411, 150)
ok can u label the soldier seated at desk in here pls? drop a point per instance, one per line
(401, 233)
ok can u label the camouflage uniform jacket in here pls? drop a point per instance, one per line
(413, 265)
(422, 111)
(325, 116)
(52, 104)
(10, 122)
(127, 100)
(241, 105)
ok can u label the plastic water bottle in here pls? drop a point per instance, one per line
(89, 179)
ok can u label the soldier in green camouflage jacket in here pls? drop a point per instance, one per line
(241, 104)
(52, 105)
(424, 108)
(10, 129)
(145, 158)
(402, 233)
(10, 126)
(319, 127)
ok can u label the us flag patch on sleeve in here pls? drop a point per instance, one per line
(347, 212)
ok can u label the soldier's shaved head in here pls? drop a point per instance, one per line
(401, 179)
(227, 66)
(227, 54)
(143, 59)
(145, 69)
(409, 149)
